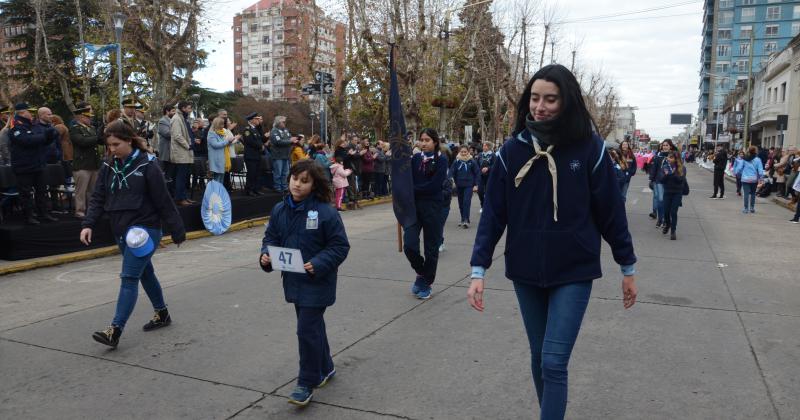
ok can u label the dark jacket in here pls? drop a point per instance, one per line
(281, 142)
(28, 145)
(673, 183)
(53, 152)
(428, 180)
(253, 143)
(485, 160)
(720, 161)
(326, 247)
(368, 162)
(631, 167)
(84, 143)
(143, 201)
(539, 250)
(464, 173)
(656, 174)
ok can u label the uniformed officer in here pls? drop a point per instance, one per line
(86, 157)
(253, 149)
(5, 121)
(28, 143)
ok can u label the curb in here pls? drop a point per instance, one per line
(91, 254)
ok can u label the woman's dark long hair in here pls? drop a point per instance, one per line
(574, 123)
(434, 135)
(123, 131)
(321, 188)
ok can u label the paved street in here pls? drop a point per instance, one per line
(713, 336)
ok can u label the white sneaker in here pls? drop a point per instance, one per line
(481, 211)
(441, 248)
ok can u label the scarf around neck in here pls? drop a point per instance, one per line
(530, 138)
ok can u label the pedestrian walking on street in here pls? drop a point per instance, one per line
(630, 162)
(466, 175)
(737, 161)
(131, 191)
(429, 172)
(447, 193)
(674, 188)
(750, 170)
(656, 177)
(485, 162)
(720, 162)
(306, 221)
(554, 192)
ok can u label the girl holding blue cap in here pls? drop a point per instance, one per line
(554, 193)
(131, 191)
(305, 220)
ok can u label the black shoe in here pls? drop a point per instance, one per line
(160, 319)
(672, 236)
(665, 229)
(49, 218)
(652, 215)
(32, 221)
(658, 225)
(713, 197)
(109, 337)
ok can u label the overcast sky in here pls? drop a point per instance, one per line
(652, 57)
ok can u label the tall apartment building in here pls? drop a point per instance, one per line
(727, 29)
(10, 53)
(278, 44)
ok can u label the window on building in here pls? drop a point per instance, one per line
(254, 80)
(748, 14)
(773, 13)
(783, 92)
(279, 36)
(238, 53)
(744, 48)
(795, 28)
(723, 50)
(238, 67)
(265, 80)
(265, 39)
(253, 27)
(748, 2)
(770, 47)
(724, 4)
(277, 21)
(726, 18)
(238, 40)
(722, 67)
(741, 66)
(771, 31)
(773, 1)
(265, 67)
(254, 56)
(238, 80)
(796, 12)
(768, 99)
(266, 94)
(724, 34)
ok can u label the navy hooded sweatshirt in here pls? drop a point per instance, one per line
(539, 250)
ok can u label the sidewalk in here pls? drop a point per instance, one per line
(712, 336)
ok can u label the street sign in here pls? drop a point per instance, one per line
(311, 89)
(323, 77)
(680, 119)
(327, 88)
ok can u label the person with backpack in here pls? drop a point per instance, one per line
(751, 170)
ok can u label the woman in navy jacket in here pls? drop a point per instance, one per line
(131, 190)
(554, 192)
(465, 173)
(307, 221)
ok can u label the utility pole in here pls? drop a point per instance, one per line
(443, 76)
(544, 44)
(746, 134)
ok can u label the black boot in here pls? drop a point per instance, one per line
(160, 319)
(665, 229)
(672, 236)
(110, 336)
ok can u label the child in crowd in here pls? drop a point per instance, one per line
(465, 174)
(305, 221)
(297, 153)
(620, 169)
(322, 158)
(340, 183)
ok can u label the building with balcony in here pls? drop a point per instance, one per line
(278, 44)
(11, 51)
(729, 29)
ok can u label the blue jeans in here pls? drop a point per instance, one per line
(464, 202)
(135, 269)
(445, 214)
(429, 218)
(672, 201)
(624, 189)
(181, 179)
(280, 174)
(552, 318)
(312, 340)
(749, 194)
(658, 201)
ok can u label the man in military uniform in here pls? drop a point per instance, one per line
(28, 144)
(86, 157)
(253, 149)
(5, 120)
(132, 112)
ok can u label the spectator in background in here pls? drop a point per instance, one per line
(367, 170)
(485, 162)
(181, 153)
(751, 170)
(86, 163)
(381, 161)
(66, 152)
(281, 141)
(163, 145)
(219, 142)
(298, 151)
(5, 121)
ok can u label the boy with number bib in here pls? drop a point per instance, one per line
(307, 222)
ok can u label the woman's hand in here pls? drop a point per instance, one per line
(629, 291)
(86, 236)
(475, 294)
(265, 259)
(309, 267)
(475, 189)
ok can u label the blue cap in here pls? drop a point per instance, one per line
(139, 241)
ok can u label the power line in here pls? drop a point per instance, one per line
(666, 105)
(632, 19)
(633, 12)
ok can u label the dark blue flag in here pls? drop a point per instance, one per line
(402, 181)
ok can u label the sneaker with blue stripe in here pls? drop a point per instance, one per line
(300, 396)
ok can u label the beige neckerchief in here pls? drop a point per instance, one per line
(551, 165)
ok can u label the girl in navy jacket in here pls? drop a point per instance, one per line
(305, 220)
(429, 172)
(131, 190)
(554, 192)
(466, 175)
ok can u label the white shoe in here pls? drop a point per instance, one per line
(441, 248)
(481, 211)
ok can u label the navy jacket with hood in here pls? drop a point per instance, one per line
(539, 250)
(28, 145)
(326, 247)
(465, 173)
(428, 181)
(142, 201)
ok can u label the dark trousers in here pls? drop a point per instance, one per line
(482, 188)
(32, 189)
(380, 184)
(182, 171)
(253, 172)
(429, 222)
(672, 201)
(367, 183)
(464, 202)
(445, 214)
(315, 353)
(719, 182)
(739, 184)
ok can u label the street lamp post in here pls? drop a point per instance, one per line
(119, 24)
(312, 115)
